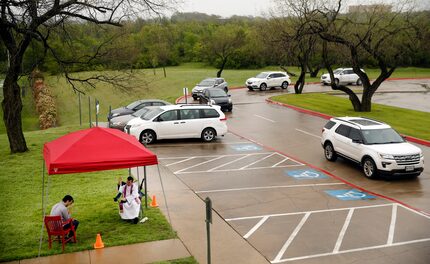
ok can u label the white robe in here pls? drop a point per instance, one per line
(131, 208)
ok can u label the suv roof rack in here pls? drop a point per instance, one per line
(347, 121)
(373, 120)
(182, 105)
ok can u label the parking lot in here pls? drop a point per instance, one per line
(268, 179)
(290, 211)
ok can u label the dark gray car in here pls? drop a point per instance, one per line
(120, 122)
(219, 83)
(217, 96)
(133, 107)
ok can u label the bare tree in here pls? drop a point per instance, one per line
(384, 33)
(223, 43)
(24, 21)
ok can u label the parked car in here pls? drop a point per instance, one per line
(215, 96)
(374, 145)
(179, 121)
(133, 107)
(219, 83)
(266, 80)
(342, 76)
(120, 122)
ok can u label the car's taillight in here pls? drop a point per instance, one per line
(223, 119)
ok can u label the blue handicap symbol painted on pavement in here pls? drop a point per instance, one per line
(246, 147)
(350, 195)
(306, 174)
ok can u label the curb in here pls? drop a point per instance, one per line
(336, 177)
(324, 116)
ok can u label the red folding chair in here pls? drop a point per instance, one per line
(55, 227)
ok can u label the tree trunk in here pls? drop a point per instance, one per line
(224, 61)
(298, 87)
(12, 108)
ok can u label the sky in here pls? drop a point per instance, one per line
(227, 8)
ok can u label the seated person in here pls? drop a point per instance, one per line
(129, 200)
(63, 209)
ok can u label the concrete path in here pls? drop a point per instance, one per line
(136, 253)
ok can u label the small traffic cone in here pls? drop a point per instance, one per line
(99, 242)
(154, 202)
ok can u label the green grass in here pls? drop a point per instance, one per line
(21, 210)
(147, 85)
(408, 122)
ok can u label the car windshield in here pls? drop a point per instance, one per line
(207, 82)
(133, 105)
(151, 113)
(381, 136)
(140, 112)
(262, 75)
(218, 93)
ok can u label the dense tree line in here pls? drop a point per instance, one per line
(237, 42)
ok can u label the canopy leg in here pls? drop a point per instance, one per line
(165, 199)
(43, 207)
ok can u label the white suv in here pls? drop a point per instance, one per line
(178, 121)
(266, 80)
(374, 145)
(342, 76)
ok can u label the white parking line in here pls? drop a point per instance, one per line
(210, 156)
(198, 164)
(392, 225)
(180, 161)
(285, 159)
(253, 168)
(271, 187)
(265, 118)
(353, 250)
(307, 133)
(255, 162)
(250, 232)
(305, 212)
(233, 161)
(343, 231)
(291, 238)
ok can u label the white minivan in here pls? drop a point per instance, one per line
(178, 121)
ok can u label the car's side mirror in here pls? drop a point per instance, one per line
(358, 141)
(229, 95)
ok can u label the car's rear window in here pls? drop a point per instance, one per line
(208, 113)
(329, 124)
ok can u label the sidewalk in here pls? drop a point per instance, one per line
(187, 215)
(136, 253)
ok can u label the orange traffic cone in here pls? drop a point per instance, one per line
(154, 202)
(99, 242)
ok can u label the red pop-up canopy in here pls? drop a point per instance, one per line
(95, 149)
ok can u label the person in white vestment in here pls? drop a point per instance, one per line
(129, 200)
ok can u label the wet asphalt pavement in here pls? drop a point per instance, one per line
(269, 180)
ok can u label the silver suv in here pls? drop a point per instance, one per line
(374, 145)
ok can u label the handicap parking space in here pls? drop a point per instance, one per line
(287, 210)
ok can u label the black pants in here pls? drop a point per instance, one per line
(75, 224)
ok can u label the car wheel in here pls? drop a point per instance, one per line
(208, 134)
(263, 87)
(336, 82)
(284, 85)
(147, 137)
(195, 98)
(369, 168)
(230, 109)
(250, 88)
(329, 152)
(226, 90)
(359, 82)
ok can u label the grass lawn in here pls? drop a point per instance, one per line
(405, 121)
(147, 85)
(21, 210)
